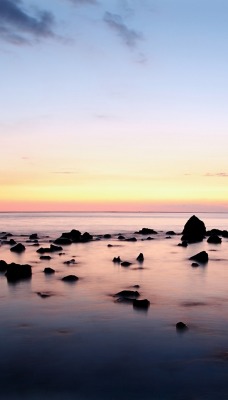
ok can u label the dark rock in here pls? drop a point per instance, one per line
(33, 236)
(109, 245)
(194, 264)
(49, 270)
(170, 233)
(86, 237)
(214, 231)
(225, 234)
(124, 300)
(201, 257)
(147, 231)
(107, 236)
(127, 293)
(16, 272)
(126, 264)
(3, 266)
(136, 286)
(194, 230)
(63, 241)
(11, 242)
(181, 326)
(44, 295)
(149, 238)
(70, 278)
(45, 257)
(141, 303)
(183, 244)
(74, 235)
(168, 237)
(140, 257)
(116, 260)
(18, 248)
(50, 249)
(214, 239)
(72, 261)
(121, 237)
(132, 239)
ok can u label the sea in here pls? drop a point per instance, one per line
(77, 341)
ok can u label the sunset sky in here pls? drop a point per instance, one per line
(114, 105)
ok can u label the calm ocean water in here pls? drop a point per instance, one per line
(80, 344)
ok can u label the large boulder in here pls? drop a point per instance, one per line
(16, 272)
(215, 239)
(194, 230)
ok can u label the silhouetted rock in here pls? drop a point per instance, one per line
(50, 249)
(183, 244)
(45, 257)
(16, 272)
(194, 264)
(68, 262)
(170, 233)
(126, 264)
(107, 236)
(49, 270)
(147, 231)
(127, 293)
(194, 230)
(70, 278)
(86, 237)
(44, 295)
(63, 241)
(33, 236)
(214, 231)
(201, 257)
(225, 234)
(3, 266)
(74, 235)
(181, 326)
(10, 242)
(121, 237)
(116, 260)
(214, 239)
(141, 303)
(140, 257)
(18, 248)
(109, 245)
(132, 239)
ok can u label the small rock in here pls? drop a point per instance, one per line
(116, 260)
(215, 239)
(121, 237)
(70, 278)
(140, 257)
(194, 264)
(183, 244)
(141, 303)
(126, 264)
(45, 257)
(18, 248)
(170, 233)
(147, 231)
(49, 270)
(127, 293)
(201, 257)
(181, 326)
(107, 236)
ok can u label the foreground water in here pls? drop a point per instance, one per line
(80, 344)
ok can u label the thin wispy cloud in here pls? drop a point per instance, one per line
(129, 36)
(19, 27)
(218, 174)
(83, 2)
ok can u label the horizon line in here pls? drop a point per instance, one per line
(113, 212)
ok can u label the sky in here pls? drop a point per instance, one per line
(113, 105)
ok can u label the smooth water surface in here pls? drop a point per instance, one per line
(80, 344)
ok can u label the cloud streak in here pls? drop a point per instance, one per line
(17, 26)
(83, 2)
(218, 174)
(129, 36)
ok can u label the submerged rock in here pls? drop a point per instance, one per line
(194, 264)
(63, 241)
(194, 230)
(45, 257)
(140, 257)
(126, 264)
(127, 293)
(18, 248)
(201, 257)
(49, 270)
(117, 260)
(141, 303)
(16, 272)
(70, 278)
(147, 231)
(107, 236)
(215, 239)
(132, 239)
(121, 237)
(181, 326)
(33, 236)
(50, 249)
(170, 233)
(3, 266)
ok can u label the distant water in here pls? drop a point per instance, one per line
(98, 223)
(79, 344)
